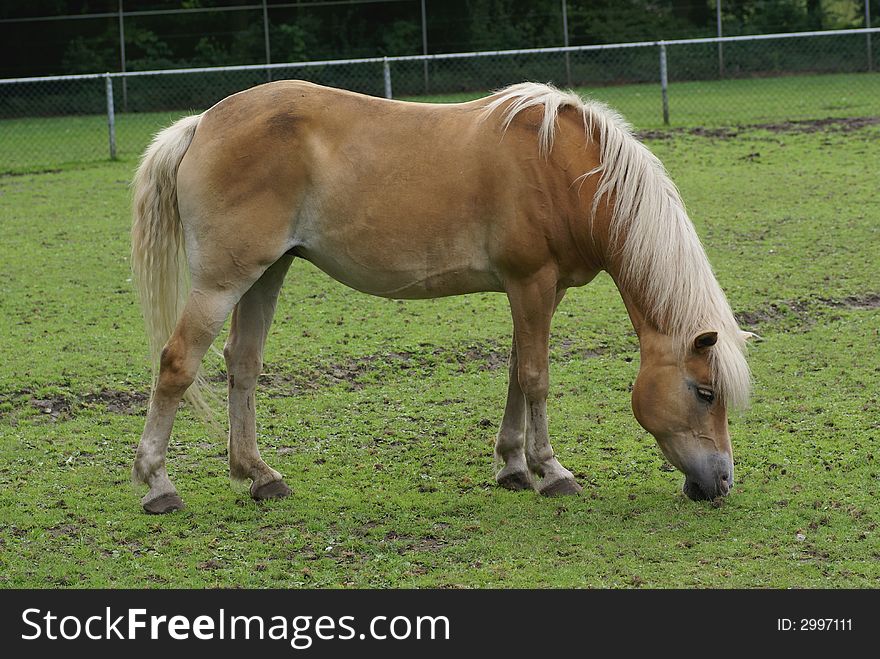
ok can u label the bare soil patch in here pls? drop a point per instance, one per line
(804, 310)
(829, 124)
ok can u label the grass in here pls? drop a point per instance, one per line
(382, 414)
(58, 142)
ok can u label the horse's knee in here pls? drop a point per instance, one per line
(243, 369)
(534, 381)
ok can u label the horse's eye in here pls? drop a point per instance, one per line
(706, 394)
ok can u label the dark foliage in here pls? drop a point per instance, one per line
(363, 29)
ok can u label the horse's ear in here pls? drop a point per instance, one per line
(705, 341)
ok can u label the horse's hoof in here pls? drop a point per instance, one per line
(271, 490)
(515, 480)
(162, 504)
(561, 488)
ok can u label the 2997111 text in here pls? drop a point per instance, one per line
(814, 624)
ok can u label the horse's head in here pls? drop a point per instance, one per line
(675, 399)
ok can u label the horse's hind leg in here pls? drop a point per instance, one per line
(201, 320)
(510, 444)
(244, 361)
(532, 304)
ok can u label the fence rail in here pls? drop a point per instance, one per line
(651, 82)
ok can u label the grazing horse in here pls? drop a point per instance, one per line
(527, 192)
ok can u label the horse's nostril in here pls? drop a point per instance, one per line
(725, 477)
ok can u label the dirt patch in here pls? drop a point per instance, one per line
(54, 406)
(428, 543)
(352, 372)
(486, 359)
(62, 406)
(119, 402)
(348, 373)
(865, 301)
(574, 350)
(718, 133)
(828, 124)
(841, 124)
(804, 311)
(69, 530)
(657, 134)
(49, 170)
(281, 380)
(774, 312)
(699, 131)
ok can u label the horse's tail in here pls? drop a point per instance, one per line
(158, 256)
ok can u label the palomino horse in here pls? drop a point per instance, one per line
(526, 192)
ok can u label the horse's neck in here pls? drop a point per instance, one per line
(642, 323)
(637, 306)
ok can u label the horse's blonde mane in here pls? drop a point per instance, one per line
(660, 253)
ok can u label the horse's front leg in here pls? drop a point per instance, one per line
(251, 320)
(532, 303)
(510, 444)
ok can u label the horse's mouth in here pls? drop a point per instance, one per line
(696, 492)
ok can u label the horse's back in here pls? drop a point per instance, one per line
(393, 198)
(382, 195)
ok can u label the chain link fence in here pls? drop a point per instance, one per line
(50, 122)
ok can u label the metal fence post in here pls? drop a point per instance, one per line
(565, 42)
(868, 35)
(386, 71)
(266, 40)
(664, 83)
(720, 43)
(425, 44)
(122, 58)
(111, 115)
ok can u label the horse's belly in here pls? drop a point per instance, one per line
(423, 239)
(401, 276)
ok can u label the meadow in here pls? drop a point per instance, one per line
(48, 143)
(382, 414)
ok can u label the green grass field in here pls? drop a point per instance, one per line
(382, 414)
(51, 143)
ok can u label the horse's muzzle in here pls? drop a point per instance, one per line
(714, 478)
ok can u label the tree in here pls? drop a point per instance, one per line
(320, 31)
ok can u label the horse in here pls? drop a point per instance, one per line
(527, 192)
